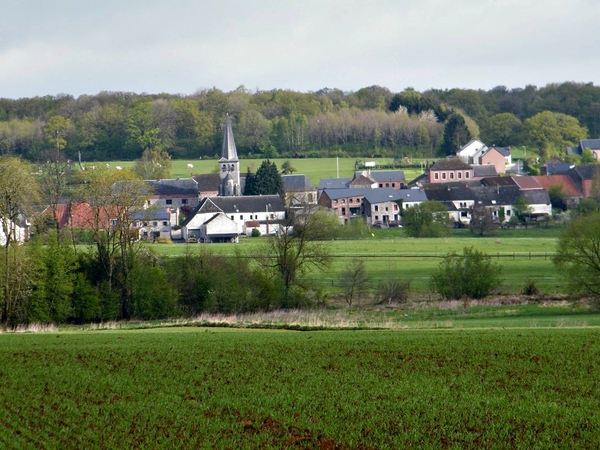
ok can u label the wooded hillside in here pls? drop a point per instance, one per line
(329, 122)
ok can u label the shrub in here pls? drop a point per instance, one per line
(530, 287)
(470, 275)
(393, 290)
(255, 232)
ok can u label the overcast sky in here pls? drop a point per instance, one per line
(181, 46)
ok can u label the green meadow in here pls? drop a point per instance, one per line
(313, 168)
(237, 388)
(522, 254)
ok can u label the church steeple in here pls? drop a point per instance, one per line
(229, 164)
(228, 151)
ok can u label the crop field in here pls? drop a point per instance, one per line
(234, 388)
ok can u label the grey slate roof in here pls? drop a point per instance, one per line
(504, 151)
(389, 175)
(229, 150)
(249, 203)
(334, 183)
(449, 164)
(390, 194)
(592, 144)
(296, 183)
(151, 214)
(486, 195)
(208, 181)
(175, 186)
(336, 194)
(537, 196)
(484, 170)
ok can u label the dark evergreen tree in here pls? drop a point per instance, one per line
(250, 185)
(266, 181)
(456, 134)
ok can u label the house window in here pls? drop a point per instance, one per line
(466, 174)
(343, 200)
(223, 169)
(387, 184)
(231, 216)
(508, 212)
(134, 224)
(451, 175)
(376, 217)
(343, 211)
(380, 184)
(350, 201)
(436, 176)
(241, 217)
(165, 223)
(169, 201)
(386, 208)
(154, 223)
(376, 208)
(184, 201)
(443, 175)
(393, 184)
(459, 175)
(114, 222)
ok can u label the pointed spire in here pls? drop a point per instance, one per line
(228, 151)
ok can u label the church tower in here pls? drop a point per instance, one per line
(229, 164)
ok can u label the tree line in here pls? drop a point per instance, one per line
(328, 122)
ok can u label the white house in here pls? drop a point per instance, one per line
(19, 230)
(267, 210)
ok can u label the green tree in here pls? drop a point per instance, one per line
(470, 275)
(154, 164)
(550, 129)
(55, 132)
(428, 219)
(19, 193)
(578, 255)
(295, 250)
(558, 197)
(266, 181)
(114, 197)
(456, 134)
(522, 208)
(503, 129)
(287, 168)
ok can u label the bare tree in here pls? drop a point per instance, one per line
(354, 280)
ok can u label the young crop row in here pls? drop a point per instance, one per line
(198, 387)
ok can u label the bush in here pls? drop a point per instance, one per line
(255, 232)
(393, 290)
(530, 287)
(470, 275)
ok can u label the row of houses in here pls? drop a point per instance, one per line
(210, 207)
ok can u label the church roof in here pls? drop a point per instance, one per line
(228, 151)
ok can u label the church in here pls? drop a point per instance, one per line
(229, 164)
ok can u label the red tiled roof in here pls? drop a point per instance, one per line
(569, 188)
(527, 183)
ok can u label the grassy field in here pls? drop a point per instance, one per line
(313, 168)
(231, 388)
(522, 254)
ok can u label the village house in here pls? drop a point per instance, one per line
(208, 184)
(172, 194)
(298, 190)
(449, 170)
(19, 230)
(591, 144)
(383, 207)
(151, 223)
(245, 211)
(345, 203)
